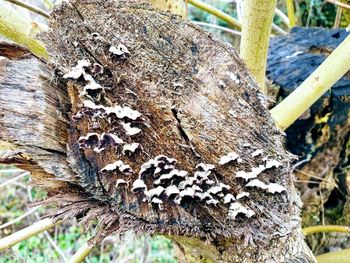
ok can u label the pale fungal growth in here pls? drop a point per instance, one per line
(114, 139)
(118, 111)
(172, 190)
(257, 153)
(187, 192)
(234, 77)
(77, 71)
(154, 192)
(170, 176)
(187, 182)
(205, 167)
(203, 196)
(138, 184)
(130, 147)
(271, 188)
(214, 190)
(242, 195)
(119, 50)
(92, 86)
(232, 156)
(120, 182)
(124, 168)
(251, 175)
(273, 163)
(131, 131)
(156, 200)
(212, 202)
(197, 188)
(247, 144)
(275, 188)
(257, 183)
(237, 208)
(228, 198)
(147, 165)
(89, 140)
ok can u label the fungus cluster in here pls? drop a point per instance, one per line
(160, 179)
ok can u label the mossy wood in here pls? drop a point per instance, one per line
(149, 123)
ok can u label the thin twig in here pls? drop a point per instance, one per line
(29, 212)
(216, 12)
(283, 17)
(14, 179)
(346, 6)
(338, 17)
(234, 32)
(29, 7)
(81, 254)
(326, 228)
(26, 233)
(11, 171)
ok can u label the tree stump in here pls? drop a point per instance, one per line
(321, 135)
(149, 123)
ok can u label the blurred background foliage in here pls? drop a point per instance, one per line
(59, 244)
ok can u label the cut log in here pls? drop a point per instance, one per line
(151, 124)
(321, 136)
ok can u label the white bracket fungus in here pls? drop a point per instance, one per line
(242, 195)
(120, 182)
(172, 190)
(138, 184)
(124, 168)
(78, 70)
(232, 156)
(237, 208)
(131, 131)
(130, 147)
(273, 163)
(154, 192)
(257, 153)
(253, 174)
(119, 50)
(228, 198)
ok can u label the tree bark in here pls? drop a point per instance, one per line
(191, 101)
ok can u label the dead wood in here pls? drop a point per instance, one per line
(158, 129)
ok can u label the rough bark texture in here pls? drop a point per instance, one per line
(321, 135)
(193, 102)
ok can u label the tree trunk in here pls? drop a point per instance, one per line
(160, 129)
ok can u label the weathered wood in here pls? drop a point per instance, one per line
(321, 135)
(197, 102)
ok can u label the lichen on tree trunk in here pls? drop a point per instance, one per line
(166, 133)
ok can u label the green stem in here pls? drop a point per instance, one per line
(256, 31)
(81, 254)
(321, 80)
(291, 12)
(29, 7)
(326, 228)
(26, 233)
(14, 27)
(341, 256)
(216, 12)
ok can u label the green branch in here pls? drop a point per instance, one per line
(326, 228)
(341, 256)
(256, 31)
(321, 80)
(21, 31)
(29, 7)
(291, 13)
(216, 12)
(26, 233)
